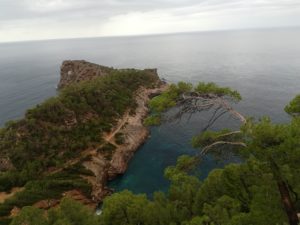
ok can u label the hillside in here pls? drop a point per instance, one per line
(73, 143)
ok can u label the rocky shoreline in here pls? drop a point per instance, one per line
(135, 134)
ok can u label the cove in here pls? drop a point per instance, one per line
(145, 173)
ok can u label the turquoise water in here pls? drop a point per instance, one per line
(263, 65)
(145, 173)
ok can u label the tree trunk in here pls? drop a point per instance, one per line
(284, 194)
(288, 203)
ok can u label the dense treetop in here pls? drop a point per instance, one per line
(293, 108)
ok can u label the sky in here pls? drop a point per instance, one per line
(54, 19)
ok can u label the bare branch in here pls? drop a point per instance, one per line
(194, 102)
(230, 133)
(232, 111)
(205, 150)
(209, 100)
(213, 119)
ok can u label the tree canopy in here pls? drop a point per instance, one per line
(262, 189)
(191, 99)
(293, 108)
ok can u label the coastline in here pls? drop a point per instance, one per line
(135, 135)
(124, 138)
(130, 125)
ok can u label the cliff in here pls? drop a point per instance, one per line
(74, 143)
(74, 71)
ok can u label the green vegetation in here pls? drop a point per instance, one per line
(209, 137)
(49, 187)
(63, 126)
(275, 148)
(238, 194)
(58, 130)
(68, 213)
(262, 189)
(174, 95)
(152, 120)
(293, 108)
(212, 88)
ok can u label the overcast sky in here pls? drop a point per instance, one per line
(53, 19)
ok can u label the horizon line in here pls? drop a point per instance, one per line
(151, 34)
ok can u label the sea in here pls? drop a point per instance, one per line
(262, 64)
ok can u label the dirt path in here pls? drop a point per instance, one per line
(72, 161)
(4, 195)
(107, 137)
(120, 125)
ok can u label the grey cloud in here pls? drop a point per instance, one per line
(30, 9)
(55, 16)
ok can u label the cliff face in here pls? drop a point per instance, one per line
(74, 71)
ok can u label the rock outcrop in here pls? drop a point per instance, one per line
(74, 71)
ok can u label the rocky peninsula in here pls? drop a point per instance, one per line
(71, 145)
(130, 125)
